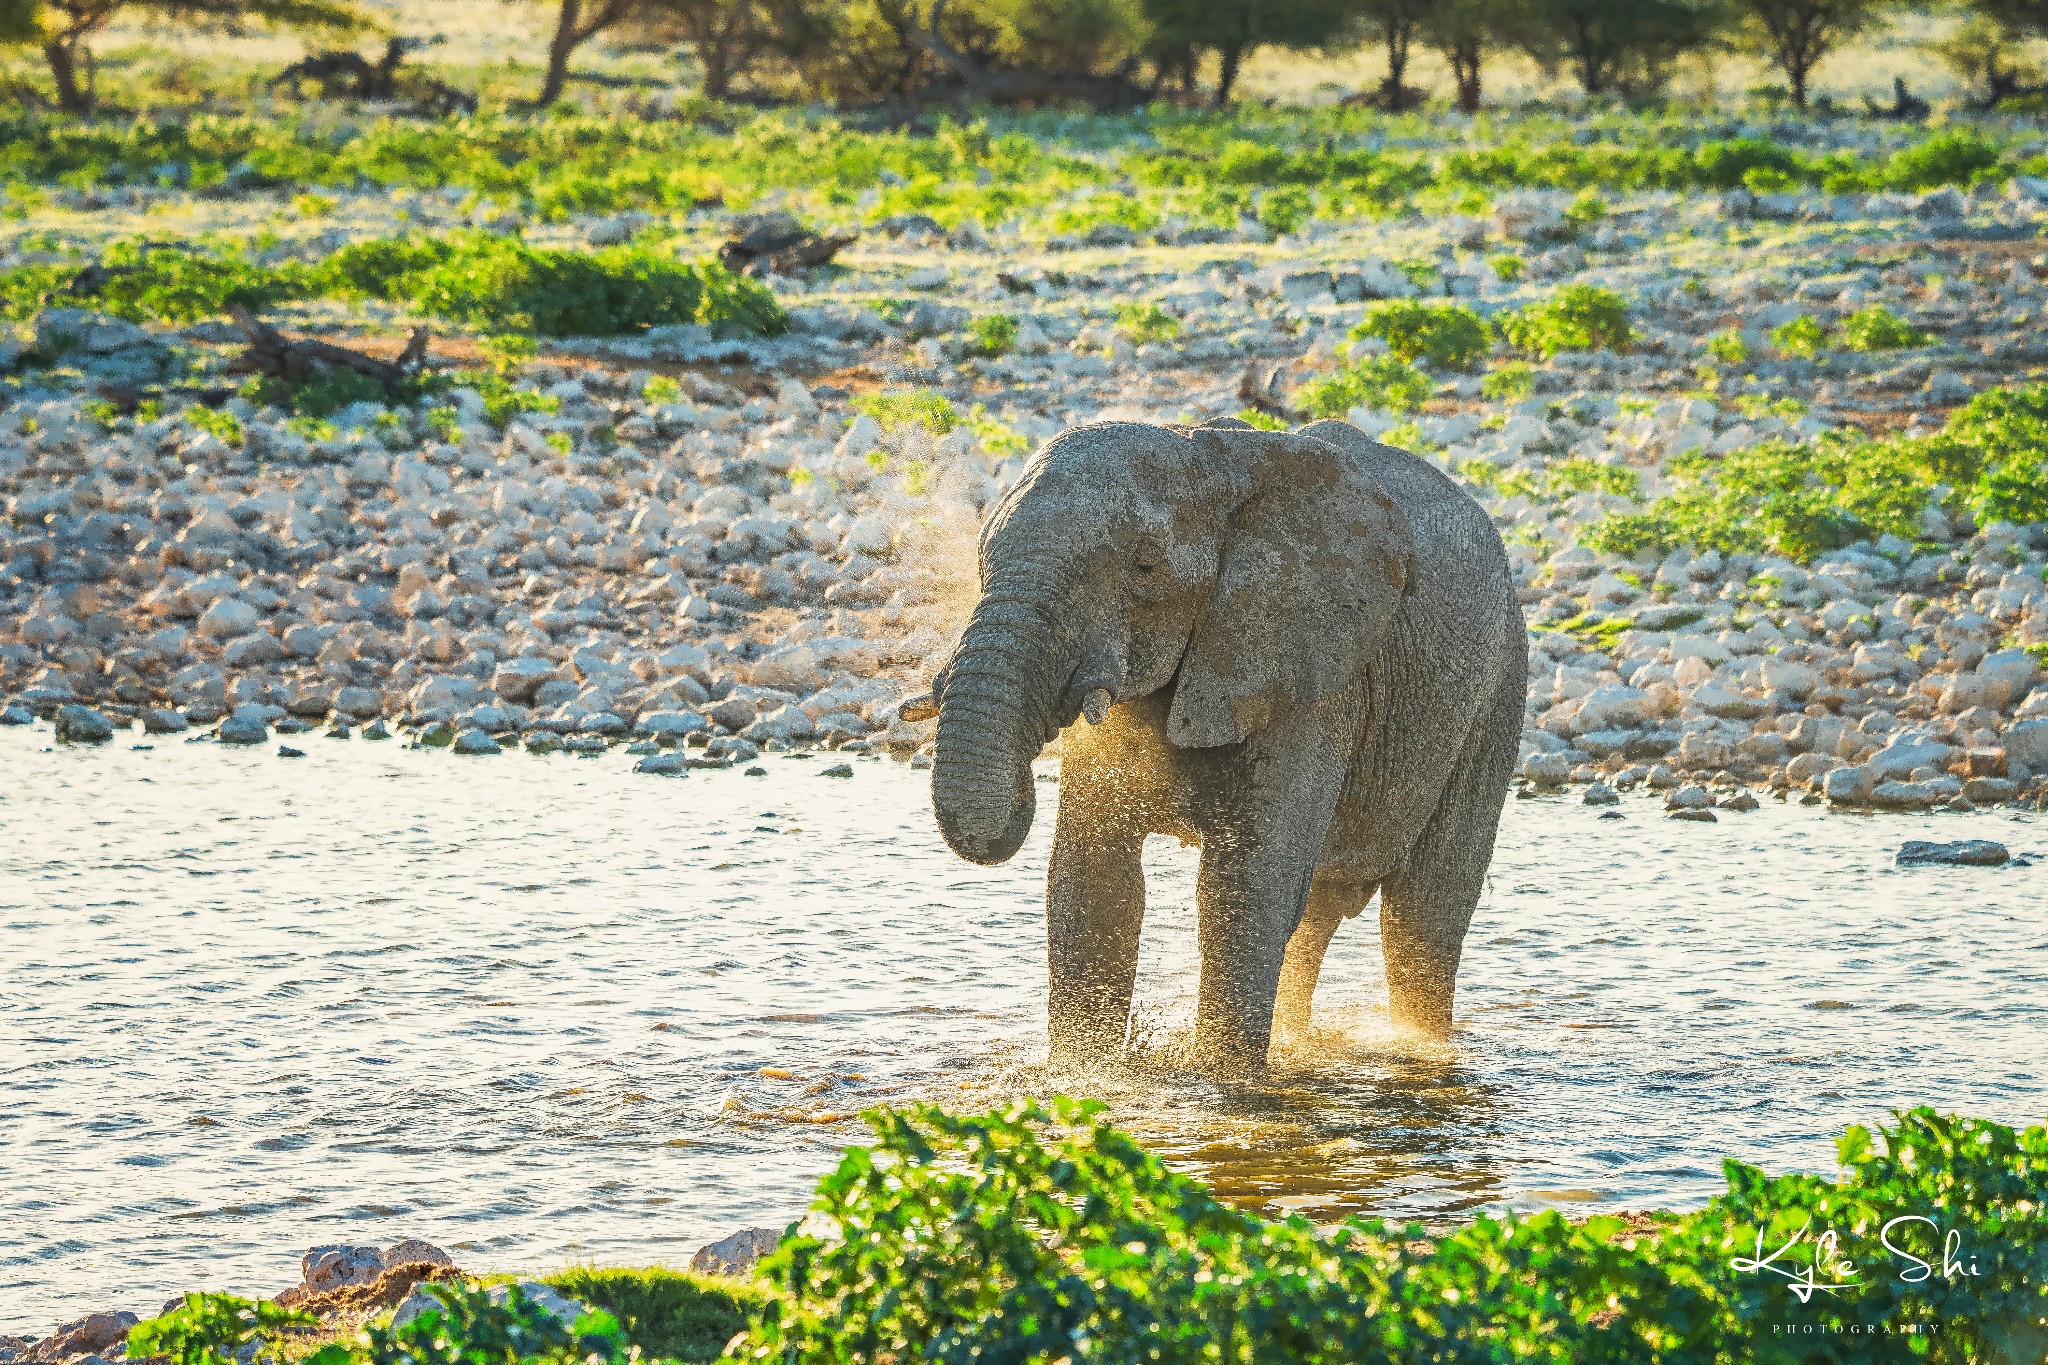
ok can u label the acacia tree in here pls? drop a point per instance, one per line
(65, 29)
(1464, 31)
(576, 23)
(1621, 47)
(1394, 24)
(1234, 29)
(726, 35)
(1796, 34)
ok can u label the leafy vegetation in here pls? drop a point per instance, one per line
(1509, 383)
(1801, 498)
(1446, 334)
(995, 334)
(1143, 322)
(478, 279)
(1385, 382)
(927, 408)
(1041, 1232)
(1578, 317)
(1802, 336)
(1877, 328)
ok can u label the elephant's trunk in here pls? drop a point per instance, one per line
(996, 713)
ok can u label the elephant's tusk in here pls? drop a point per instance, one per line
(919, 707)
(1095, 706)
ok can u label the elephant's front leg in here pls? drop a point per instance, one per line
(1253, 886)
(1094, 910)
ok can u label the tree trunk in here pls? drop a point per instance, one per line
(63, 59)
(1796, 72)
(1465, 57)
(563, 43)
(1394, 94)
(1226, 77)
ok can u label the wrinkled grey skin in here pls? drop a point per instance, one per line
(1317, 666)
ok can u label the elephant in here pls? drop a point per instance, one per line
(1300, 650)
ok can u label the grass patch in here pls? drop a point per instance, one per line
(668, 1314)
(1802, 337)
(993, 335)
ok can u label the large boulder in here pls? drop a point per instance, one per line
(737, 1254)
(82, 725)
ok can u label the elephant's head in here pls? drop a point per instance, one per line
(1247, 569)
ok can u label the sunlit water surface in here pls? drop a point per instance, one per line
(544, 1010)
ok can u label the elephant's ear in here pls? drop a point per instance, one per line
(1313, 565)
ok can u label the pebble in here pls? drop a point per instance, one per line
(287, 751)
(838, 770)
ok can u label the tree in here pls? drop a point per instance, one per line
(1989, 47)
(726, 35)
(1796, 34)
(1464, 31)
(1623, 47)
(576, 23)
(1234, 29)
(65, 28)
(1394, 23)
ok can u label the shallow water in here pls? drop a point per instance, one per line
(521, 1007)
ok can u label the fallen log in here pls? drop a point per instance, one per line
(297, 360)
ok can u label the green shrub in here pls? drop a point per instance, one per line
(995, 334)
(1447, 334)
(927, 408)
(1956, 157)
(1800, 498)
(1508, 267)
(1147, 321)
(1802, 336)
(1385, 382)
(1039, 1233)
(1878, 328)
(662, 388)
(1728, 347)
(1579, 317)
(1264, 421)
(468, 1329)
(213, 1329)
(668, 1314)
(1283, 211)
(219, 422)
(145, 283)
(1510, 382)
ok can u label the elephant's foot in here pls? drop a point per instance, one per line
(1425, 1013)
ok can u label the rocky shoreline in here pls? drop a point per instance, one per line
(742, 558)
(341, 1287)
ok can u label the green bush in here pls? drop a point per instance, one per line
(668, 1314)
(995, 334)
(1728, 347)
(1447, 334)
(1509, 383)
(1385, 382)
(1039, 1233)
(145, 283)
(1578, 317)
(1878, 328)
(1801, 498)
(1147, 321)
(927, 408)
(1802, 336)
(1508, 267)
(213, 1329)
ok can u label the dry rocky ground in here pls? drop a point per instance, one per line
(743, 561)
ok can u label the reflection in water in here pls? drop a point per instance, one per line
(544, 1009)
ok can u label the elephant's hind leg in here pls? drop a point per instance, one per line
(1329, 904)
(1427, 904)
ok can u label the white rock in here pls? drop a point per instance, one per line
(737, 1254)
(228, 618)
